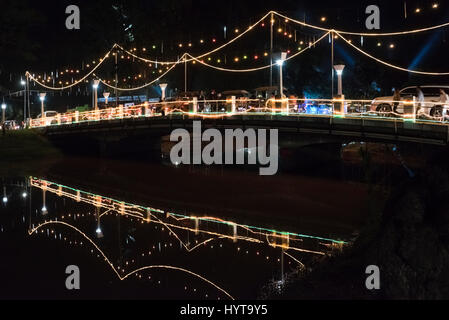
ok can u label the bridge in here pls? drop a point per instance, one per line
(300, 122)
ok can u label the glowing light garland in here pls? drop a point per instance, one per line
(172, 108)
(142, 86)
(391, 65)
(197, 58)
(258, 68)
(363, 33)
(76, 82)
(204, 54)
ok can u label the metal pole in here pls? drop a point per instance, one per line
(28, 95)
(332, 64)
(24, 106)
(116, 78)
(271, 49)
(282, 265)
(281, 89)
(185, 73)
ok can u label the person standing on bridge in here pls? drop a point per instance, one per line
(444, 100)
(444, 97)
(420, 94)
(396, 100)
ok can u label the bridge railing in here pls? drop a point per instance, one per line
(391, 110)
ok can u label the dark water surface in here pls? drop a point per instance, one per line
(140, 230)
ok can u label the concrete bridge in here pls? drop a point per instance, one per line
(142, 135)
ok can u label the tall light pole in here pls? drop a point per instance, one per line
(339, 69)
(23, 83)
(280, 63)
(95, 86)
(3, 112)
(42, 98)
(5, 197)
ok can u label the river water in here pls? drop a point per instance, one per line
(139, 230)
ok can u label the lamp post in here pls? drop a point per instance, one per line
(44, 207)
(280, 63)
(95, 86)
(339, 69)
(23, 83)
(5, 198)
(98, 230)
(163, 87)
(42, 98)
(3, 112)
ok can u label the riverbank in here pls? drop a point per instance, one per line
(25, 151)
(407, 239)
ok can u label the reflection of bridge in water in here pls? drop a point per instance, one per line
(195, 235)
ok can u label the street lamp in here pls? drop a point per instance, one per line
(98, 231)
(23, 83)
(3, 112)
(339, 69)
(95, 86)
(163, 87)
(5, 198)
(42, 98)
(280, 63)
(44, 207)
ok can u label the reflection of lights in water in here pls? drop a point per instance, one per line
(24, 195)
(116, 270)
(99, 233)
(140, 214)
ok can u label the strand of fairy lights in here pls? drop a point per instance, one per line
(142, 86)
(204, 54)
(30, 76)
(389, 64)
(340, 32)
(363, 33)
(258, 68)
(374, 115)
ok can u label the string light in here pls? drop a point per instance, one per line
(30, 76)
(363, 33)
(236, 59)
(144, 85)
(336, 32)
(391, 65)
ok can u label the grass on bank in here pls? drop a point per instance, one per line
(25, 145)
